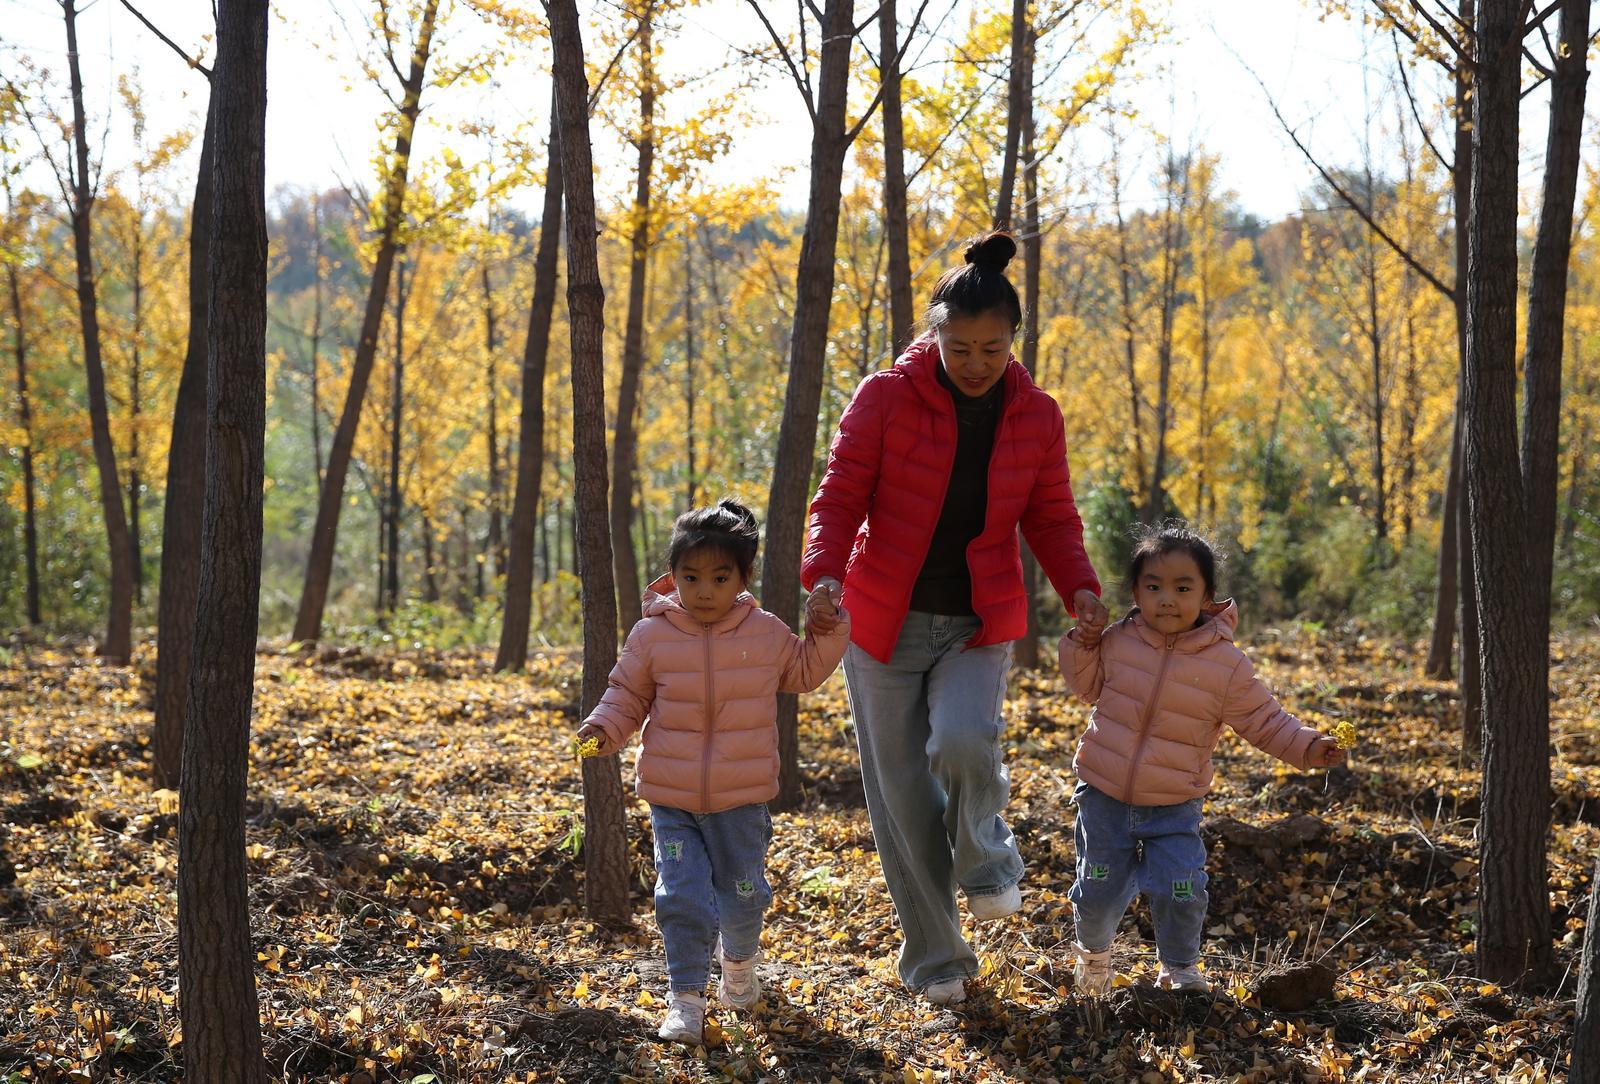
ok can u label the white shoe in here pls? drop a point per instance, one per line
(999, 905)
(741, 986)
(1091, 972)
(686, 1020)
(1186, 980)
(949, 992)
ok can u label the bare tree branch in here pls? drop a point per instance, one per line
(1405, 82)
(802, 84)
(1434, 24)
(174, 46)
(1555, 5)
(877, 99)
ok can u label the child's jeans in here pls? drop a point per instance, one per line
(710, 875)
(1125, 849)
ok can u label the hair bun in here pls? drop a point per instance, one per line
(993, 251)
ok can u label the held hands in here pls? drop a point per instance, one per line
(1092, 616)
(1324, 753)
(822, 606)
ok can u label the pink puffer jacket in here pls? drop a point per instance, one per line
(1160, 704)
(710, 695)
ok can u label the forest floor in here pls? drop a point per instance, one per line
(413, 828)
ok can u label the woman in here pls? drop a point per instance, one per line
(936, 464)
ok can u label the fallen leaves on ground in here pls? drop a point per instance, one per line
(414, 838)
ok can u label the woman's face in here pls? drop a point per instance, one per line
(975, 349)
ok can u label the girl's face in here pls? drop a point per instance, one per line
(708, 583)
(975, 349)
(1171, 591)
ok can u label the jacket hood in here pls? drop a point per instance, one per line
(661, 599)
(1217, 622)
(921, 363)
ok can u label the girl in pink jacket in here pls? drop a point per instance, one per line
(1163, 680)
(701, 673)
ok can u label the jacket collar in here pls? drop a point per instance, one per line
(660, 599)
(1217, 622)
(921, 363)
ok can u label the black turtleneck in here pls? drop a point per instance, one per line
(944, 585)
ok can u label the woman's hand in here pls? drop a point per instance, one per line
(1092, 613)
(822, 607)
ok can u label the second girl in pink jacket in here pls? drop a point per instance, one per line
(1164, 681)
(701, 673)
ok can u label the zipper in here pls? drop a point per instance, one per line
(1006, 404)
(711, 718)
(1149, 713)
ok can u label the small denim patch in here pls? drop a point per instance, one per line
(1098, 873)
(746, 889)
(1183, 890)
(671, 850)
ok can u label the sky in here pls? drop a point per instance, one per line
(1199, 84)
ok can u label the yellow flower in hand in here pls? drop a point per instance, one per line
(588, 747)
(1344, 735)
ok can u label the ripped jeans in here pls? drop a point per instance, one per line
(1126, 849)
(711, 877)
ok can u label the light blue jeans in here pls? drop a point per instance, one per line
(928, 726)
(711, 876)
(1126, 849)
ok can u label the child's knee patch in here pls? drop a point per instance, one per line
(671, 850)
(1096, 872)
(745, 889)
(1183, 890)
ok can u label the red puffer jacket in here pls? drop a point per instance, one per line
(874, 514)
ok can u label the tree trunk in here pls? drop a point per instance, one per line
(430, 582)
(136, 554)
(513, 651)
(1586, 1020)
(396, 416)
(30, 526)
(316, 336)
(1016, 96)
(180, 521)
(1128, 318)
(324, 535)
(605, 844)
(1375, 360)
(1027, 649)
(1171, 257)
(689, 386)
(808, 342)
(1450, 571)
(496, 537)
(624, 451)
(1514, 912)
(896, 226)
(217, 991)
(117, 646)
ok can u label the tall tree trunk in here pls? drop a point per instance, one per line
(1027, 649)
(689, 380)
(1586, 1020)
(185, 495)
(430, 581)
(30, 526)
(1410, 411)
(316, 336)
(513, 650)
(624, 450)
(134, 394)
(117, 646)
(1128, 319)
(324, 535)
(396, 417)
(1514, 912)
(896, 226)
(1375, 361)
(1016, 97)
(1451, 572)
(1171, 258)
(216, 962)
(808, 342)
(496, 537)
(605, 842)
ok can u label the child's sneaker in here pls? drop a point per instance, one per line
(999, 905)
(1091, 972)
(686, 1019)
(741, 986)
(1186, 979)
(949, 992)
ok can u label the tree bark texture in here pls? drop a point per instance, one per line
(606, 866)
(180, 524)
(1514, 913)
(220, 1013)
(808, 343)
(896, 225)
(1027, 649)
(1016, 95)
(324, 534)
(30, 527)
(513, 650)
(624, 447)
(117, 646)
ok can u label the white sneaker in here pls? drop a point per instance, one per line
(1091, 972)
(999, 905)
(949, 992)
(741, 986)
(686, 1020)
(1186, 980)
